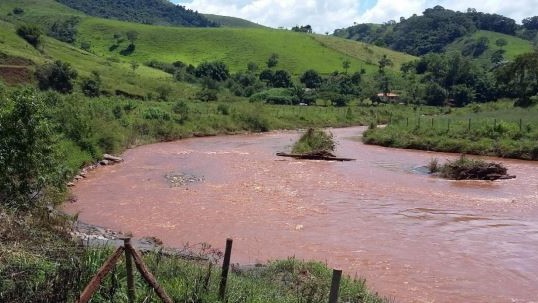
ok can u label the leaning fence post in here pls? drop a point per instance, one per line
(335, 286)
(129, 268)
(225, 267)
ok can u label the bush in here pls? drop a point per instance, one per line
(58, 76)
(215, 70)
(91, 87)
(31, 33)
(315, 141)
(29, 160)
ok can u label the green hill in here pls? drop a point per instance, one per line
(227, 21)
(514, 46)
(236, 47)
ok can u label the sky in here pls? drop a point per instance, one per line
(328, 15)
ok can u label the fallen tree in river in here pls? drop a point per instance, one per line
(469, 169)
(314, 144)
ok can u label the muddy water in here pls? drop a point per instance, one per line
(414, 237)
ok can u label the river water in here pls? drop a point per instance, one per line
(413, 237)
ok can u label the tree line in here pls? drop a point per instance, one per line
(435, 29)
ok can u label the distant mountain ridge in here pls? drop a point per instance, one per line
(156, 12)
(433, 31)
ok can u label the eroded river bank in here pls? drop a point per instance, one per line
(414, 237)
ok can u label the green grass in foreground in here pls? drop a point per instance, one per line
(493, 129)
(283, 281)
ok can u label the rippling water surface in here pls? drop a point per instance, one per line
(414, 237)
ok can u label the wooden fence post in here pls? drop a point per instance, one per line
(225, 267)
(146, 274)
(469, 127)
(90, 289)
(335, 285)
(520, 124)
(129, 268)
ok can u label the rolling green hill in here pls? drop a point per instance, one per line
(227, 21)
(515, 46)
(236, 47)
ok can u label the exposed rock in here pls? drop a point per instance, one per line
(180, 179)
(104, 162)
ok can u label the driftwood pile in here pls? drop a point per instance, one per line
(468, 169)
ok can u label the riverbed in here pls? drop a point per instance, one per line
(414, 237)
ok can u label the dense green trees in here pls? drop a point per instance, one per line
(141, 11)
(311, 79)
(520, 79)
(431, 32)
(215, 70)
(29, 161)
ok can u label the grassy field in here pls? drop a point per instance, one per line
(236, 47)
(515, 46)
(494, 129)
(227, 21)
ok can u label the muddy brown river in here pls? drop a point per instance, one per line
(413, 237)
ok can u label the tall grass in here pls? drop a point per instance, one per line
(496, 129)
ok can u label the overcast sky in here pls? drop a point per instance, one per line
(328, 15)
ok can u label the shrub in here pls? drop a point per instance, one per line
(31, 33)
(58, 76)
(29, 160)
(315, 141)
(91, 87)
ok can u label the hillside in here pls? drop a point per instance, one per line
(236, 47)
(161, 12)
(227, 21)
(467, 46)
(430, 32)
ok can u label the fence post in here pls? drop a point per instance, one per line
(448, 127)
(129, 268)
(407, 121)
(520, 124)
(225, 267)
(469, 127)
(335, 286)
(432, 122)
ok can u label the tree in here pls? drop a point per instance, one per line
(31, 33)
(252, 67)
(132, 36)
(501, 42)
(29, 161)
(346, 64)
(58, 76)
(302, 29)
(272, 61)
(311, 79)
(520, 78)
(281, 78)
(530, 23)
(134, 65)
(91, 87)
(215, 70)
(267, 76)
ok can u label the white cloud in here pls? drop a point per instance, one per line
(327, 15)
